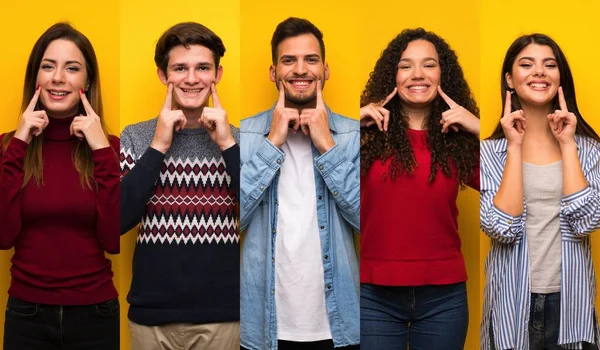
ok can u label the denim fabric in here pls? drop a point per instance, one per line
(30, 326)
(422, 318)
(337, 183)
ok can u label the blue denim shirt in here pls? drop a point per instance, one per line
(337, 182)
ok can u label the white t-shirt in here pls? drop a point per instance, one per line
(299, 278)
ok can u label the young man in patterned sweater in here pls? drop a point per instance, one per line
(180, 178)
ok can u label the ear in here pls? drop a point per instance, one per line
(509, 81)
(219, 74)
(272, 74)
(161, 76)
(326, 71)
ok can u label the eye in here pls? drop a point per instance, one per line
(203, 68)
(73, 68)
(179, 69)
(526, 65)
(551, 65)
(287, 61)
(46, 67)
(430, 65)
(404, 66)
(313, 60)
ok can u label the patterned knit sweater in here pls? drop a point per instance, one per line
(186, 260)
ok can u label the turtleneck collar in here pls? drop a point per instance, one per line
(59, 129)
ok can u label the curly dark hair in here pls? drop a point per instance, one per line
(460, 149)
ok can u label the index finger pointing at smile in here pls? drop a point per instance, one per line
(86, 104)
(167, 105)
(320, 103)
(281, 100)
(389, 97)
(445, 97)
(561, 99)
(34, 99)
(215, 96)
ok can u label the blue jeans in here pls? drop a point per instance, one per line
(422, 318)
(544, 323)
(30, 326)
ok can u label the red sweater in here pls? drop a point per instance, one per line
(409, 228)
(60, 230)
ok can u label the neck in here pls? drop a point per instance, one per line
(300, 107)
(417, 116)
(192, 116)
(62, 115)
(537, 121)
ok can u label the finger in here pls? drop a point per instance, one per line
(561, 100)
(454, 127)
(305, 130)
(34, 99)
(320, 103)
(369, 123)
(377, 117)
(508, 104)
(86, 104)
(388, 97)
(281, 100)
(445, 97)
(215, 96)
(519, 125)
(168, 99)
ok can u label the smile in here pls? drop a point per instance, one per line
(300, 84)
(191, 91)
(58, 93)
(539, 85)
(418, 88)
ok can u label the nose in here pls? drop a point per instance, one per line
(58, 77)
(192, 77)
(300, 68)
(417, 73)
(539, 70)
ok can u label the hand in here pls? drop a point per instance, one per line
(315, 123)
(513, 124)
(32, 122)
(216, 123)
(457, 117)
(283, 118)
(168, 120)
(374, 113)
(562, 122)
(88, 127)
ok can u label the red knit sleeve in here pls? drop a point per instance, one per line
(107, 176)
(11, 179)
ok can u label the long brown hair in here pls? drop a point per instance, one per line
(82, 153)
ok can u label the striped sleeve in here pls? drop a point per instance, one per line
(582, 209)
(495, 223)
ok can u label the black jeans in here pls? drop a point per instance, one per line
(544, 323)
(31, 326)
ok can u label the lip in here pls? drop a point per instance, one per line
(539, 85)
(300, 84)
(418, 88)
(49, 93)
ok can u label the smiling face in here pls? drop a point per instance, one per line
(535, 76)
(299, 66)
(191, 71)
(419, 74)
(62, 73)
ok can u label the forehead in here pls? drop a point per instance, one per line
(63, 50)
(191, 55)
(536, 51)
(418, 49)
(301, 45)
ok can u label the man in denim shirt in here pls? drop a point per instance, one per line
(300, 201)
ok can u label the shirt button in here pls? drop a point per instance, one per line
(278, 161)
(326, 257)
(509, 222)
(329, 286)
(320, 198)
(322, 227)
(320, 167)
(335, 194)
(262, 187)
(272, 291)
(274, 230)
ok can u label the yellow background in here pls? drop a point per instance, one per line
(142, 93)
(21, 24)
(458, 24)
(574, 27)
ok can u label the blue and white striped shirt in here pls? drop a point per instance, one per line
(507, 290)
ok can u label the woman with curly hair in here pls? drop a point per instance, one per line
(419, 145)
(540, 177)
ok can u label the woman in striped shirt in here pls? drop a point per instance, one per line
(540, 176)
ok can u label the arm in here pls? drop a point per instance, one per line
(509, 197)
(106, 175)
(495, 222)
(581, 203)
(11, 179)
(138, 179)
(342, 177)
(232, 163)
(257, 174)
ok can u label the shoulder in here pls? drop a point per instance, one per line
(344, 124)
(256, 123)
(144, 127)
(114, 142)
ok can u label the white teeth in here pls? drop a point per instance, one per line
(193, 91)
(301, 83)
(539, 85)
(56, 93)
(418, 87)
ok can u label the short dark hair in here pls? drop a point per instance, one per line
(292, 27)
(186, 34)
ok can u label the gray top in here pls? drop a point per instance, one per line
(542, 186)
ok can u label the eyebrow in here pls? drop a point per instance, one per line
(311, 55)
(425, 59)
(533, 59)
(203, 64)
(54, 61)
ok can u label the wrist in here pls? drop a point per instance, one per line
(160, 146)
(226, 144)
(568, 146)
(514, 149)
(272, 140)
(326, 146)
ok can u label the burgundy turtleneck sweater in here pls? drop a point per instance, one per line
(60, 230)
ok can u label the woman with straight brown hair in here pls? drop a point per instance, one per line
(59, 192)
